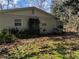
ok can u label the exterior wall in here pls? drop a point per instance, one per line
(50, 25)
(42, 14)
(25, 12)
(7, 21)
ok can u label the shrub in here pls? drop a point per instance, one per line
(5, 37)
(22, 34)
(13, 30)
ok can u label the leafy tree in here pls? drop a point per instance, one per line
(73, 7)
(67, 12)
(74, 4)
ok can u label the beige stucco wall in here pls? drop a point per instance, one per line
(7, 21)
(50, 25)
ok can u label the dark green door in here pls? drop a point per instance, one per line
(34, 26)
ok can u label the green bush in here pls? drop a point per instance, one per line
(18, 33)
(5, 37)
(22, 34)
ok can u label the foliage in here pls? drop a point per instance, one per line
(23, 33)
(67, 11)
(6, 38)
(72, 4)
(22, 52)
(76, 54)
(42, 49)
(19, 33)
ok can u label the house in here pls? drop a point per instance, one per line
(31, 18)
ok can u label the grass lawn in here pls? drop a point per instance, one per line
(42, 48)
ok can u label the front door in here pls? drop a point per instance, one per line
(34, 26)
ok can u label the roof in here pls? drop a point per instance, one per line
(22, 9)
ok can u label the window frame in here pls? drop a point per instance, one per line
(18, 22)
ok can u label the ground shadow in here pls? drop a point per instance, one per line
(64, 35)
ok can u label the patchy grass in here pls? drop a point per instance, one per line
(43, 48)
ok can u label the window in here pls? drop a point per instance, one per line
(17, 22)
